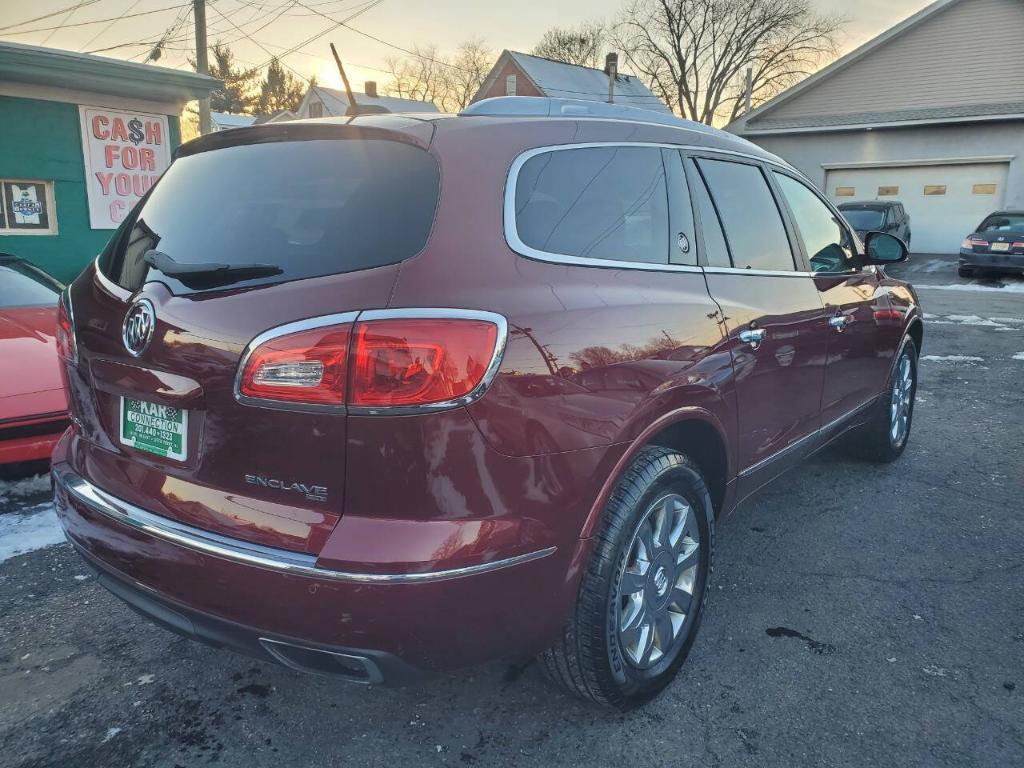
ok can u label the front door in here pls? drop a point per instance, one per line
(864, 329)
(773, 315)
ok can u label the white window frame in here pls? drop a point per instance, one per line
(51, 209)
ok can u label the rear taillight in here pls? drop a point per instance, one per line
(971, 242)
(387, 359)
(67, 347)
(419, 361)
(308, 366)
(1018, 244)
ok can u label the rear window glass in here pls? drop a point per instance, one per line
(1003, 222)
(596, 203)
(863, 219)
(308, 208)
(22, 286)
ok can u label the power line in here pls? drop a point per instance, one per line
(107, 28)
(97, 21)
(69, 9)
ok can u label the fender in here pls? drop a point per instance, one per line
(687, 413)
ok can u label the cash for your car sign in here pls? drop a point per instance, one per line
(125, 153)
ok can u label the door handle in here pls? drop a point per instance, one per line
(753, 337)
(839, 322)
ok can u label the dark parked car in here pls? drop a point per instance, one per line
(392, 395)
(878, 216)
(997, 245)
(33, 411)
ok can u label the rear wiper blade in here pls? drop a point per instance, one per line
(207, 273)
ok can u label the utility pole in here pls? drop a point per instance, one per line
(202, 62)
(611, 68)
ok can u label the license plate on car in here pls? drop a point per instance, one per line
(157, 429)
(1000, 246)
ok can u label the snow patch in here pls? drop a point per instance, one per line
(1008, 320)
(111, 733)
(985, 288)
(15, 490)
(953, 358)
(1019, 356)
(20, 534)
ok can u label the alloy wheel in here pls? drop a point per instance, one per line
(900, 401)
(655, 594)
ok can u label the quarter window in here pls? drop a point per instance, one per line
(595, 202)
(753, 225)
(824, 237)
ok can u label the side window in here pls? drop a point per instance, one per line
(683, 243)
(596, 203)
(825, 239)
(753, 225)
(716, 252)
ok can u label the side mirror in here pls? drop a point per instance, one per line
(883, 248)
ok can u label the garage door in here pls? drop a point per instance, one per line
(945, 202)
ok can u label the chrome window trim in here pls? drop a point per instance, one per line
(257, 555)
(517, 245)
(410, 313)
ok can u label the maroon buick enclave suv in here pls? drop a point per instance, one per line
(388, 395)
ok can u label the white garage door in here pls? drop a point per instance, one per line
(945, 202)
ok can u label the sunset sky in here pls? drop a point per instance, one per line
(257, 28)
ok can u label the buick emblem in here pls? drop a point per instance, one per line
(138, 327)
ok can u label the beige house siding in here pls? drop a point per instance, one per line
(959, 56)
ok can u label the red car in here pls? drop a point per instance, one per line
(390, 395)
(33, 410)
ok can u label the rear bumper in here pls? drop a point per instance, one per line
(1010, 262)
(279, 605)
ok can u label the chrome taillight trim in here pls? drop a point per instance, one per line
(298, 326)
(427, 313)
(247, 553)
(407, 313)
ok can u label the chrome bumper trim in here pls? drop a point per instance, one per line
(257, 555)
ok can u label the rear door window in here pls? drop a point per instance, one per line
(308, 208)
(716, 251)
(594, 203)
(753, 224)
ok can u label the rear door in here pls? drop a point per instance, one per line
(298, 227)
(864, 329)
(773, 313)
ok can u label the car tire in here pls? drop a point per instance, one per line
(884, 436)
(655, 534)
(965, 271)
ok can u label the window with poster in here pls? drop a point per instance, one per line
(26, 207)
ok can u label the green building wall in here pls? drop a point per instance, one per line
(42, 140)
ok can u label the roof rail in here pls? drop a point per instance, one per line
(542, 106)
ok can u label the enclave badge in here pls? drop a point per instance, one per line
(139, 324)
(311, 492)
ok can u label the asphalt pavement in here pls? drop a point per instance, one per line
(860, 615)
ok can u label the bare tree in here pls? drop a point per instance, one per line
(583, 45)
(448, 81)
(694, 53)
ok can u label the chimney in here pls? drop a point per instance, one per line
(611, 68)
(370, 88)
